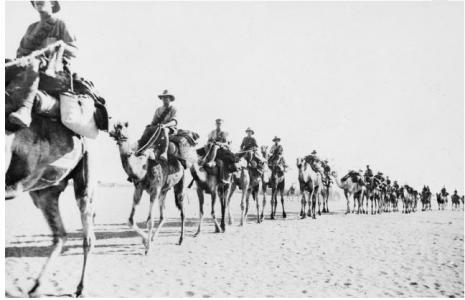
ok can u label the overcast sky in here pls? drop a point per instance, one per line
(362, 83)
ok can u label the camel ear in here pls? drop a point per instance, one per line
(126, 124)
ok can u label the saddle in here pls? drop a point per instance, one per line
(355, 176)
(225, 155)
(190, 136)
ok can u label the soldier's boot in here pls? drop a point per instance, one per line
(22, 117)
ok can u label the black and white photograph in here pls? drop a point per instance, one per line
(234, 149)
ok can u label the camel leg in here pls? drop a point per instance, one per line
(47, 201)
(348, 202)
(319, 203)
(282, 204)
(135, 202)
(223, 191)
(273, 194)
(262, 214)
(231, 192)
(257, 203)
(150, 221)
(314, 200)
(161, 205)
(215, 221)
(243, 212)
(303, 203)
(179, 198)
(84, 190)
(246, 210)
(201, 200)
(310, 200)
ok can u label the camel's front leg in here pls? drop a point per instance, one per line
(215, 221)
(161, 205)
(282, 204)
(201, 201)
(243, 209)
(257, 203)
(348, 201)
(303, 203)
(135, 202)
(231, 192)
(247, 199)
(150, 221)
(262, 214)
(47, 201)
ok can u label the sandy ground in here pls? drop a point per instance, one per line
(336, 255)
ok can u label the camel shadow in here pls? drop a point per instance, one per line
(103, 233)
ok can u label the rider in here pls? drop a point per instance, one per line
(217, 139)
(443, 191)
(249, 143)
(276, 154)
(316, 164)
(327, 171)
(368, 174)
(165, 117)
(39, 35)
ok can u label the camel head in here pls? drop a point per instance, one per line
(299, 162)
(264, 150)
(120, 132)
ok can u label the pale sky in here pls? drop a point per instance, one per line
(362, 83)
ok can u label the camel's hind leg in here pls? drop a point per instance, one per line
(47, 201)
(84, 190)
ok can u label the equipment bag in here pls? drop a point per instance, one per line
(77, 114)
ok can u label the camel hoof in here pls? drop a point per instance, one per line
(196, 234)
(180, 242)
(319, 213)
(284, 215)
(314, 217)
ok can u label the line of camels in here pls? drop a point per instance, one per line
(42, 158)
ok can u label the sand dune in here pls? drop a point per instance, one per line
(336, 255)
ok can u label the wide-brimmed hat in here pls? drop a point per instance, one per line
(249, 129)
(313, 152)
(380, 173)
(276, 139)
(55, 6)
(166, 94)
(219, 120)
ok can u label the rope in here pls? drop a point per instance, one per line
(21, 60)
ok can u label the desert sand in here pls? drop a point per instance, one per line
(336, 255)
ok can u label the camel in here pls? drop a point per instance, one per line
(442, 200)
(41, 159)
(265, 178)
(408, 199)
(248, 179)
(325, 192)
(455, 199)
(425, 199)
(351, 187)
(309, 182)
(154, 177)
(277, 183)
(207, 181)
(374, 194)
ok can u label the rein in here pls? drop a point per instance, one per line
(151, 141)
